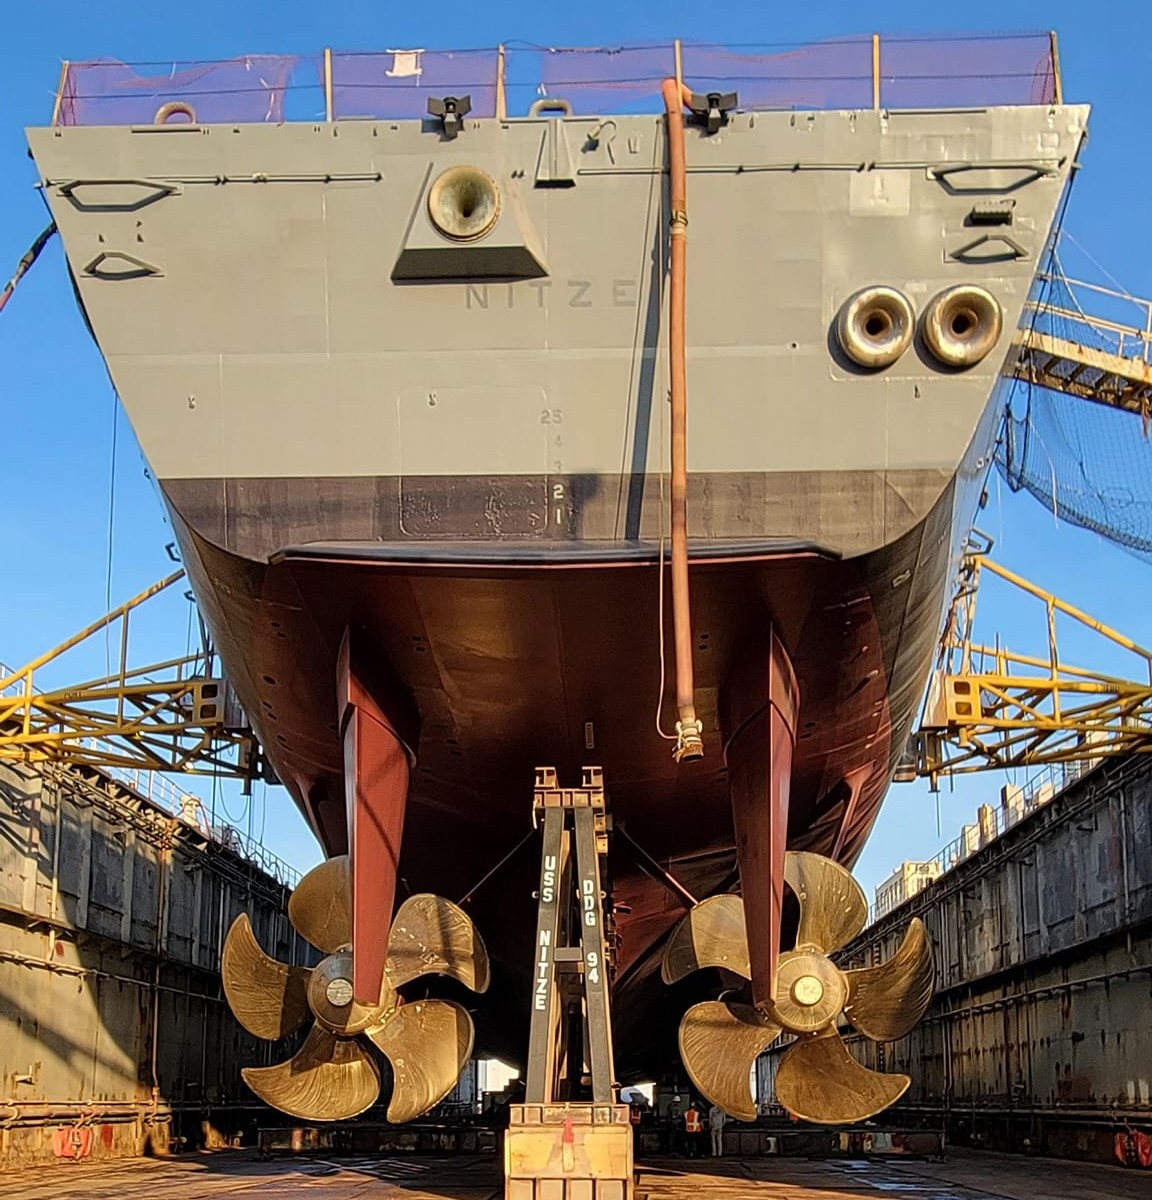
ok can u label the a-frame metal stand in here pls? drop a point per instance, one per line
(570, 1139)
(570, 990)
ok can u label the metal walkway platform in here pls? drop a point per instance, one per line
(1071, 348)
(240, 1174)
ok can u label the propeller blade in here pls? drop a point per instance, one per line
(885, 1002)
(818, 1080)
(328, 1079)
(428, 1043)
(320, 908)
(269, 998)
(711, 935)
(719, 1043)
(833, 909)
(433, 936)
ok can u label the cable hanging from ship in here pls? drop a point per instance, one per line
(689, 732)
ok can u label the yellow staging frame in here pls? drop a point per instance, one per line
(168, 716)
(991, 708)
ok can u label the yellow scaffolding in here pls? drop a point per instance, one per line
(168, 716)
(991, 708)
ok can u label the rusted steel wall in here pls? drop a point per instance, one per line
(114, 1036)
(1040, 1030)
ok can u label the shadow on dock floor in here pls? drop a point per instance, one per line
(237, 1175)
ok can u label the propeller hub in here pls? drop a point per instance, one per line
(333, 1003)
(810, 991)
(339, 992)
(807, 991)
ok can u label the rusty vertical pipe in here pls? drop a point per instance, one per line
(689, 742)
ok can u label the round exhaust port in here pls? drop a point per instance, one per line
(464, 203)
(875, 326)
(962, 325)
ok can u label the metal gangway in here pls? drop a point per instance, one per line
(1066, 344)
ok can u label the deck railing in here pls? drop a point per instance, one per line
(1092, 315)
(992, 822)
(166, 793)
(853, 73)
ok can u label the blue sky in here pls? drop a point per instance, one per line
(60, 420)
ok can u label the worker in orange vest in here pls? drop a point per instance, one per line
(635, 1115)
(693, 1128)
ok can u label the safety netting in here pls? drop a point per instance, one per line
(396, 84)
(845, 73)
(593, 79)
(251, 90)
(1089, 462)
(610, 80)
(827, 75)
(967, 72)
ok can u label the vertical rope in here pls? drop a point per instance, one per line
(111, 533)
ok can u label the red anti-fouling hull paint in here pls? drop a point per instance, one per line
(467, 676)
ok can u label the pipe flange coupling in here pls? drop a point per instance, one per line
(875, 326)
(689, 739)
(464, 203)
(962, 325)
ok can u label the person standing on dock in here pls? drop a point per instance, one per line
(693, 1128)
(675, 1128)
(716, 1118)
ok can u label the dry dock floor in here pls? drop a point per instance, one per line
(966, 1175)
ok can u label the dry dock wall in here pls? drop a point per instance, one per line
(114, 1037)
(1040, 1034)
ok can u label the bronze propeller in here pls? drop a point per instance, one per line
(817, 1079)
(333, 1075)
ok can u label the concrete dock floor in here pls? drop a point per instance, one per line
(966, 1175)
